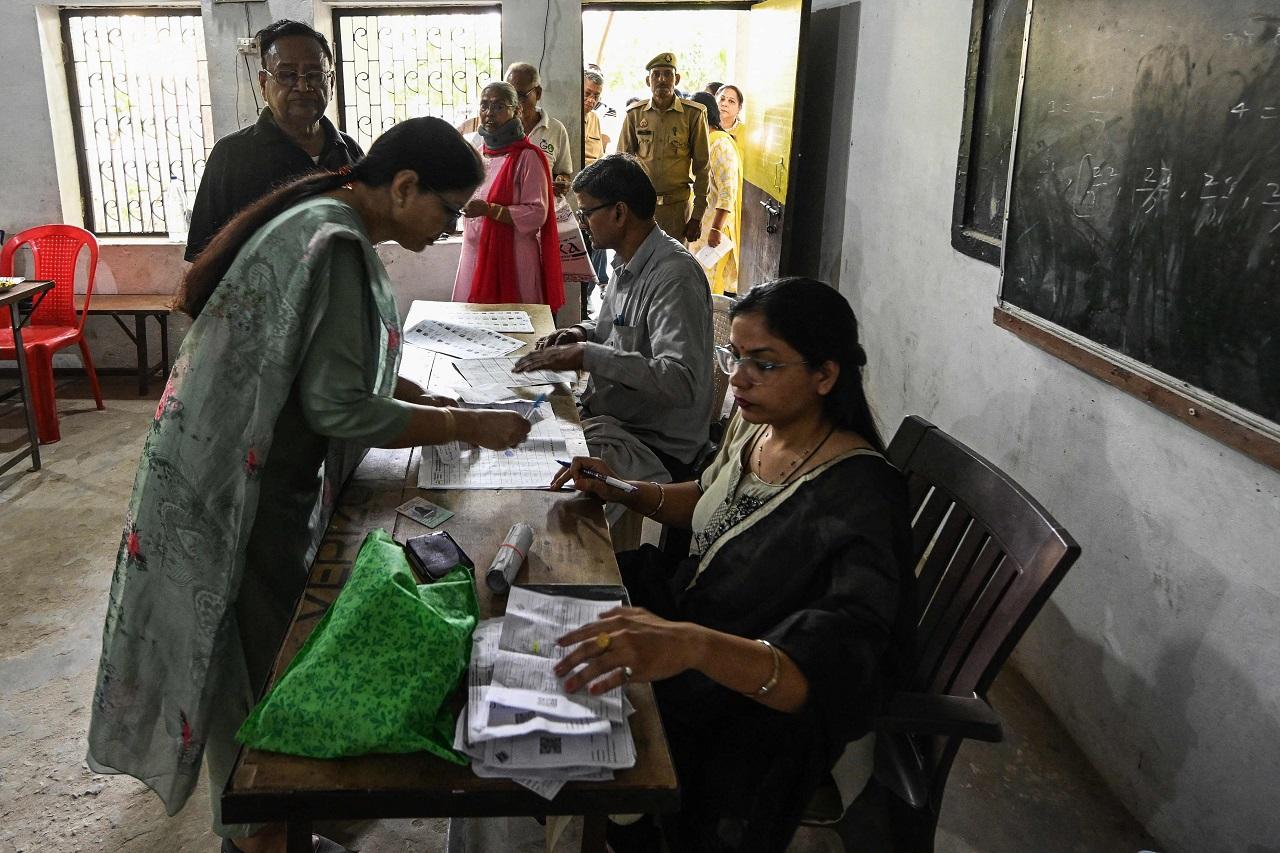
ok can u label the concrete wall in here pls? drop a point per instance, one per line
(1159, 651)
(30, 172)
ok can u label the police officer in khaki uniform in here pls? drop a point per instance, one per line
(668, 135)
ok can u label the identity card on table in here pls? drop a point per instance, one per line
(425, 512)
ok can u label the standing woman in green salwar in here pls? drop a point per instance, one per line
(295, 345)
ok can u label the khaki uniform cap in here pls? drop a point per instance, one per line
(667, 60)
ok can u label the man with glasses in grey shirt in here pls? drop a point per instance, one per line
(647, 407)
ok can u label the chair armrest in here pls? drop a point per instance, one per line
(936, 714)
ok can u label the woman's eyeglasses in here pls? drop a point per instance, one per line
(494, 107)
(754, 369)
(289, 79)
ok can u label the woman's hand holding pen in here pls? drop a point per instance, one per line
(591, 484)
(495, 429)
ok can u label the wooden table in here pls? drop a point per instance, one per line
(571, 545)
(140, 306)
(9, 298)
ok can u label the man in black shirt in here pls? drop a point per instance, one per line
(290, 138)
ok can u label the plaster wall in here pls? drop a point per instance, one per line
(1159, 649)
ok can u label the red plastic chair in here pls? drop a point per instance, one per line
(54, 324)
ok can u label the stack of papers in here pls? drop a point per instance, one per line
(519, 723)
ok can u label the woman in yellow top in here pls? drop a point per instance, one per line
(729, 99)
(724, 192)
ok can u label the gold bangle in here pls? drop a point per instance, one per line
(451, 426)
(763, 689)
(662, 498)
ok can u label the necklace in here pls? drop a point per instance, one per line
(796, 464)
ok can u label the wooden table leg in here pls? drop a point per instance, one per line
(144, 369)
(455, 835)
(593, 826)
(298, 837)
(163, 320)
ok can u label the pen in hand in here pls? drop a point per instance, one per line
(604, 478)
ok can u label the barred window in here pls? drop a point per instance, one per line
(395, 64)
(139, 91)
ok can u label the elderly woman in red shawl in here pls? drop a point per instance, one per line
(510, 248)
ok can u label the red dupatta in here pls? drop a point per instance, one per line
(494, 280)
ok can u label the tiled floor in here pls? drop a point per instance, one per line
(60, 526)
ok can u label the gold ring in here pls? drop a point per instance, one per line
(602, 640)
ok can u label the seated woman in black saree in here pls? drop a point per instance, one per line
(772, 644)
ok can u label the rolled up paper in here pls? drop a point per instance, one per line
(511, 554)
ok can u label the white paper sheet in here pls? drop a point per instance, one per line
(529, 466)
(494, 321)
(460, 341)
(497, 371)
(709, 255)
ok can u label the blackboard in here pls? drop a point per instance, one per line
(1144, 209)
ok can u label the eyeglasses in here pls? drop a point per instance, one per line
(289, 79)
(522, 95)
(494, 106)
(584, 213)
(454, 213)
(753, 368)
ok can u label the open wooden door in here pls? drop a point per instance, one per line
(775, 31)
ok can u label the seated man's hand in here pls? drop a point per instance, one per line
(571, 335)
(557, 357)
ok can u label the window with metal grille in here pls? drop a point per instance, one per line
(401, 63)
(139, 93)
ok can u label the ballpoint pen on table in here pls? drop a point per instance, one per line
(604, 478)
(537, 401)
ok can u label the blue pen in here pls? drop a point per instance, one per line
(537, 401)
(604, 478)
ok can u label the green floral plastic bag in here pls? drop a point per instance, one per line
(375, 673)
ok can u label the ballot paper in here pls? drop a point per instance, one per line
(710, 255)
(460, 341)
(495, 321)
(561, 737)
(530, 465)
(497, 371)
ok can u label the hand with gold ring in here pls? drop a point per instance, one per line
(626, 644)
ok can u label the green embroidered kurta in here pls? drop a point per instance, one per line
(299, 345)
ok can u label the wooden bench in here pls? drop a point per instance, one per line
(140, 306)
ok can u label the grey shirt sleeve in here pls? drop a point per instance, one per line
(335, 383)
(667, 376)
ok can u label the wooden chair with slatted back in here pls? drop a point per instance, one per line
(987, 557)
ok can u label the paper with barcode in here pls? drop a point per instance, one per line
(519, 723)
